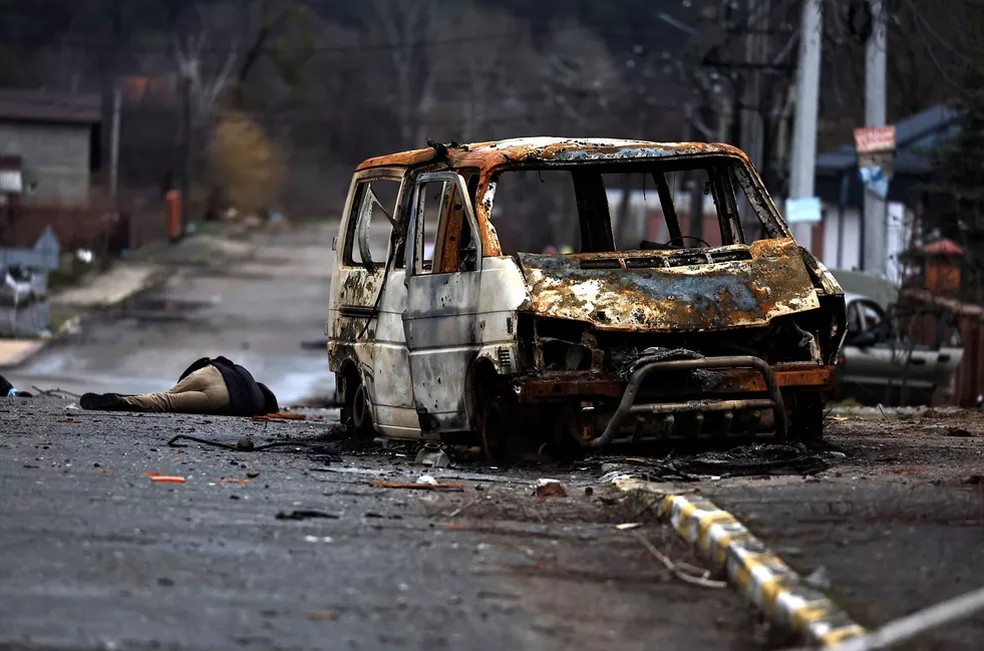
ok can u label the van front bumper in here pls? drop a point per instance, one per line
(742, 384)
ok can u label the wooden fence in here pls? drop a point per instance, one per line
(969, 379)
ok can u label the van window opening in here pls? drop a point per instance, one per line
(625, 207)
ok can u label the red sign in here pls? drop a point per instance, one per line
(872, 139)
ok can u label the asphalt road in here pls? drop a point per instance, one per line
(98, 556)
(896, 527)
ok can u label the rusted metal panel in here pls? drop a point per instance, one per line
(564, 386)
(819, 378)
(687, 298)
(484, 155)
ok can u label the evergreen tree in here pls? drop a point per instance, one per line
(956, 197)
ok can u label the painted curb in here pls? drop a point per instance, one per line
(755, 571)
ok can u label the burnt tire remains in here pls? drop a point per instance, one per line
(499, 429)
(806, 417)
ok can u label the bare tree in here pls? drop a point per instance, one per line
(404, 31)
(203, 61)
(579, 77)
(487, 89)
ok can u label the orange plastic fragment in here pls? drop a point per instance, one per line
(165, 479)
(280, 415)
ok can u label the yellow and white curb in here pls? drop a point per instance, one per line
(755, 571)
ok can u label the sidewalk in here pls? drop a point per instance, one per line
(14, 352)
(112, 287)
(144, 270)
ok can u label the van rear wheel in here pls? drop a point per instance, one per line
(356, 410)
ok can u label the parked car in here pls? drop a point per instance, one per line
(685, 330)
(882, 364)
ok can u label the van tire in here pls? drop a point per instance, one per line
(356, 410)
(806, 417)
(498, 428)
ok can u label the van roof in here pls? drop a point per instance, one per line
(533, 150)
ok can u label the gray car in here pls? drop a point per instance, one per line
(881, 364)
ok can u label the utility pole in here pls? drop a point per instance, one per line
(875, 208)
(114, 144)
(752, 135)
(757, 19)
(113, 70)
(802, 162)
(187, 152)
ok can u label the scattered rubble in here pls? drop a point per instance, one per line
(452, 488)
(549, 488)
(433, 456)
(305, 514)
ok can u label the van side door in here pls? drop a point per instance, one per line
(441, 323)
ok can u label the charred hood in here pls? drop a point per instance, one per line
(690, 289)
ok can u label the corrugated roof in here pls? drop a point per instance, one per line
(47, 106)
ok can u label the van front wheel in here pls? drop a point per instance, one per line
(498, 428)
(806, 418)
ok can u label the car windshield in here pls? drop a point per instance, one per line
(697, 203)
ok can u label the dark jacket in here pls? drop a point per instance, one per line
(247, 397)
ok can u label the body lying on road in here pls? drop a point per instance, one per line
(208, 386)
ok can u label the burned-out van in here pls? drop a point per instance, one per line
(576, 291)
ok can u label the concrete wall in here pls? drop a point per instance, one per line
(841, 238)
(55, 159)
(842, 248)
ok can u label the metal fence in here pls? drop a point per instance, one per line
(24, 308)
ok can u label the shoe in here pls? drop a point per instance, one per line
(104, 402)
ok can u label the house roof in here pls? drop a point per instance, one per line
(943, 247)
(915, 137)
(46, 106)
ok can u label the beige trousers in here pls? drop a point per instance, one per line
(201, 392)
